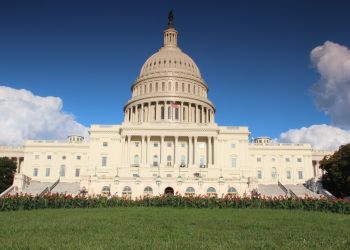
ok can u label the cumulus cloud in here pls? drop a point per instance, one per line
(24, 115)
(323, 136)
(332, 92)
(331, 95)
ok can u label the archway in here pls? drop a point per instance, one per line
(169, 191)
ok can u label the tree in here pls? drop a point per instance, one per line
(7, 172)
(337, 172)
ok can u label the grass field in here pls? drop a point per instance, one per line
(171, 228)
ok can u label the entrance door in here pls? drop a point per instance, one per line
(169, 191)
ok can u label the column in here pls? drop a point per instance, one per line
(197, 114)
(209, 152)
(142, 111)
(215, 149)
(162, 156)
(176, 155)
(194, 150)
(137, 113)
(189, 111)
(128, 154)
(165, 111)
(122, 140)
(207, 115)
(202, 115)
(212, 116)
(148, 149)
(190, 151)
(143, 151)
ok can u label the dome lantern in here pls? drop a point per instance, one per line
(170, 34)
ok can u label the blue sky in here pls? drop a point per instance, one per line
(254, 55)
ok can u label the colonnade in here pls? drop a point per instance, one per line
(192, 150)
(169, 111)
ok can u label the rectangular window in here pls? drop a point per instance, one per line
(77, 172)
(35, 172)
(49, 157)
(300, 174)
(162, 112)
(183, 145)
(233, 162)
(273, 159)
(47, 172)
(63, 157)
(63, 171)
(36, 157)
(258, 159)
(183, 160)
(155, 145)
(259, 174)
(105, 144)
(202, 161)
(104, 161)
(233, 145)
(299, 160)
(169, 144)
(287, 160)
(289, 175)
(137, 144)
(78, 157)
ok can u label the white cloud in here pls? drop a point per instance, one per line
(332, 92)
(323, 136)
(24, 115)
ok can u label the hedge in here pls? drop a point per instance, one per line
(28, 202)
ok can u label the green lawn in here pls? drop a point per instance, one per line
(172, 228)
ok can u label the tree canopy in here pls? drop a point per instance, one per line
(7, 172)
(337, 172)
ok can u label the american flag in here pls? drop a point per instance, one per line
(174, 105)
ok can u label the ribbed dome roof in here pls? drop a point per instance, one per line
(170, 59)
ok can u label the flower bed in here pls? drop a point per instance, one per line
(28, 202)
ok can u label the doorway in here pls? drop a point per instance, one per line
(169, 191)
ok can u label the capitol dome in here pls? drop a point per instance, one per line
(170, 88)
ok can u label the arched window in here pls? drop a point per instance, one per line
(190, 191)
(274, 173)
(127, 192)
(106, 190)
(148, 191)
(231, 190)
(211, 191)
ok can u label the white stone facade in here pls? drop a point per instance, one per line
(168, 141)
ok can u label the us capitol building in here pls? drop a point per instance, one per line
(168, 143)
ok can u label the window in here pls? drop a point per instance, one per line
(106, 190)
(202, 161)
(183, 160)
(176, 113)
(169, 144)
(258, 159)
(37, 157)
(211, 191)
(233, 145)
(104, 161)
(64, 157)
(148, 191)
(190, 191)
(274, 173)
(299, 160)
(105, 144)
(137, 144)
(155, 160)
(77, 172)
(183, 145)
(162, 113)
(259, 174)
(47, 172)
(35, 172)
(300, 175)
(233, 162)
(127, 192)
(231, 190)
(273, 159)
(201, 145)
(169, 175)
(136, 159)
(155, 145)
(62, 171)
(49, 157)
(289, 175)
(78, 157)
(287, 160)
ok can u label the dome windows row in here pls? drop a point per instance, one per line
(187, 88)
(162, 63)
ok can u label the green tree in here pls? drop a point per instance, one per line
(7, 172)
(337, 172)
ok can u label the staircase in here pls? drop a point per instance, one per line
(72, 188)
(36, 187)
(271, 190)
(301, 192)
